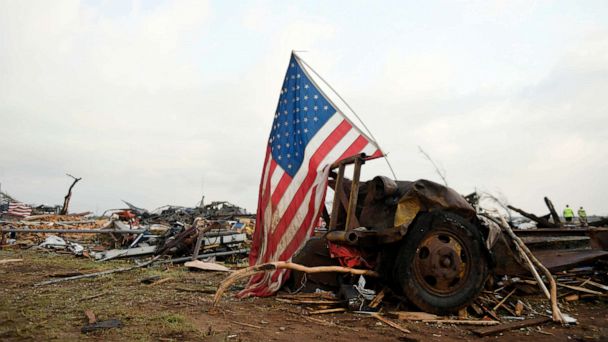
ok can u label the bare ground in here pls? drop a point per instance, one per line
(177, 310)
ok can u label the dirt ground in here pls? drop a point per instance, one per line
(177, 310)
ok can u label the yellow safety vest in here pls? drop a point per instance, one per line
(568, 212)
(582, 213)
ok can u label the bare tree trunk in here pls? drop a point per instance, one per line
(66, 200)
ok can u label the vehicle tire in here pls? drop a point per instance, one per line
(441, 266)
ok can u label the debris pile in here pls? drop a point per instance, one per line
(41, 223)
(177, 232)
(534, 275)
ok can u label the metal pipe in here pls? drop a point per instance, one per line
(341, 236)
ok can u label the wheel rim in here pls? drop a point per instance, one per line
(442, 263)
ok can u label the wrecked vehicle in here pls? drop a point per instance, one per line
(423, 238)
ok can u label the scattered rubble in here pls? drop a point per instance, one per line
(539, 273)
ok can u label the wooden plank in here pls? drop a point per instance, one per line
(7, 261)
(389, 323)
(318, 312)
(90, 316)
(503, 300)
(598, 285)
(462, 321)
(247, 325)
(581, 289)
(354, 195)
(510, 326)
(164, 280)
(412, 315)
(305, 301)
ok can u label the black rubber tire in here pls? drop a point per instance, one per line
(473, 282)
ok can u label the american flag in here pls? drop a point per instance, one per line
(308, 134)
(19, 209)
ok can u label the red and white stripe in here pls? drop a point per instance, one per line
(19, 209)
(288, 207)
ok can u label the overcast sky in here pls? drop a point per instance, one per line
(154, 102)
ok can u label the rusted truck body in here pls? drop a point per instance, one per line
(426, 241)
(422, 237)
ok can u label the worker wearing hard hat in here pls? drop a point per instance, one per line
(582, 217)
(568, 213)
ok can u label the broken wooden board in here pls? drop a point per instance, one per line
(510, 326)
(207, 266)
(389, 323)
(412, 315)
(7, 261)
(90, 316)
(326, 311)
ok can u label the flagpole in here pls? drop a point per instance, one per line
(350, 108)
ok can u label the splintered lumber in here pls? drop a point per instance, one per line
(90, 316)
(556, 313)
(307, 301)
(581, 289)
(314, 295)
(206, 266)
(326, 311)
(430, 318)
(277, 265)
(389, 323)
(247, 325)
(503, 300)
(377, 300)
(572, 297)
(533, 262)
(462, 321)
(161, 281)
(488, 312)
(7, 261)
(519, 308)
(541, 222)
(510, 326)
(593, 283)
(412, 315)
(477, 309)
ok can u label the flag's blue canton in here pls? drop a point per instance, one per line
(301, 112)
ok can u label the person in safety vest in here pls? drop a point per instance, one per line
(568, 213)
(582, 217)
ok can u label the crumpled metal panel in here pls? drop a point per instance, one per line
(424, 195)
(385, 203)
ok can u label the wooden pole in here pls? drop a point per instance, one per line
(354, 195)
(335, 207)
